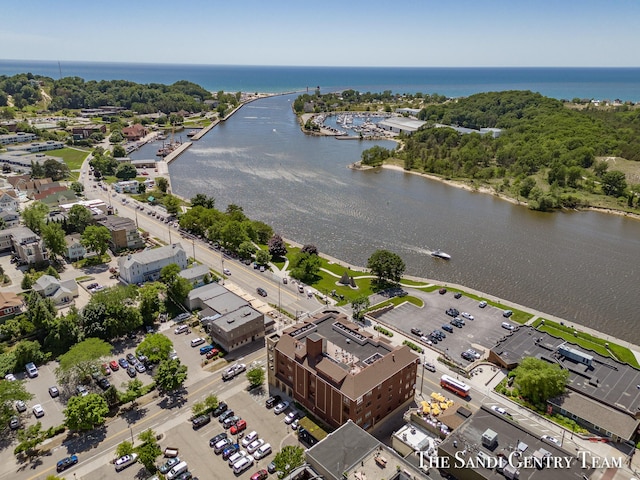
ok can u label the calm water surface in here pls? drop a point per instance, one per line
(579, 266)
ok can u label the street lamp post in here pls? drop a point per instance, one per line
(131, 430)
(222, 262)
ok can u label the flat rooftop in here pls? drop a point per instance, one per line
(606, 380)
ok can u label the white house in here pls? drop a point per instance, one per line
(75, 250)
(60, 291)
(145, 266)
(8, 202)
(10, 218)
(130, 186)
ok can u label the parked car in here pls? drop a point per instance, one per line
(452, 312)
(225, 415)
(131, 371)
(21, 406)
(82, 390)
(426, 340)
(249, 438)
(456, 323)
(238, 427)
(291, 416)
(416, 331)
(507, 313)
(206, 349)
(230, 421)
(140, 368)
(255, 445)
(447, 328)
(217, 438)
(442, 291)
(271, 401)
(200, 421)
(168, 465)
(113, 364)
(507, 326)
(38, 411)
(180, 329)
(549, 438)
(32, 370)
(221, 446)
(66, 462)
(475, 354)
(220, 409)
(53, 391)
(105, 369)
(271, 468)
(482, 304)
(212, 353)
(125, 461)
(262, 452)
(131, 358)
(197, 341)
(230, 450)
(104, 384)
(499, 410)
(457, 295)
(429, 366)
(260, 475)
(281, 407)
(467, 315)
(123, 363)
(14, 423)
(467, 356)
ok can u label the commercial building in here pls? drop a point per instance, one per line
(229, 319)
(134, 132)
(339, 372)
(602, 393)
(25, 244)
(401, 124)
(124, 233)
(128, 186)
(35, 147)
(196, 275)
(145, 266)
(489, 446)
(350, 452)
(18, 137)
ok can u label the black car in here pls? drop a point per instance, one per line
(131, 371)
(217, 438)
(261, 291)
(452, 312)
(456, 323)
(220, 409)
(66, 463)
(447, 328)
(104, 384)
(416, 331)
(131, 358)
(467, 356)
(439, 335)
(442, 291)
(272, 401)
(433, 338)
(200, 421)
(457, 295)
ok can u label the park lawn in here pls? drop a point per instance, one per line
(71, 156)
(587, 341)
(412, 283)
(395, 301)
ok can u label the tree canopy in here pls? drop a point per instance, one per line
(539, 380)
(170, 376)
(386, 265)
(156, 347)
(86, 412)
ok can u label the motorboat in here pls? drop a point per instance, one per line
(441, 254)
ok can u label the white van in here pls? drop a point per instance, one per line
(177, 470)
(197, 341)
(235, 458)
(263, 451)
(242, 464)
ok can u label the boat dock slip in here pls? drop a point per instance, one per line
(176, 153)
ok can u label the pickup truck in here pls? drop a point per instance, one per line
(171, 452)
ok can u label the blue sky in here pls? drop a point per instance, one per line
(328, 33)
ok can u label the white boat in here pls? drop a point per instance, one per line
(441, 254)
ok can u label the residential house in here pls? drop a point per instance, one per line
(9, 218)
(145, 266)
(25, 244)
(339, 372)
(134, 132)
(74, 249)
(124, 233)
(54, 198)
(62, 292)
(10, 304)
(196, 275)
(9, 201)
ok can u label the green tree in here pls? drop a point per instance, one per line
(387, 266)
(277, 247)
(142, 188)
(262, 231)
(263, 257)
(10, 392)
(359, 305)
(77, 187)
(288, 459)
(63, 332)
(119, 151)
(111, 313)
(53, 238)
(310, 249)
(41, 311)
(177, 287)
(211, 402)
(126, 171)
(76, 365)
(172, 204)
(79, 217)
(162, 184)
(27, 351)
(33, 216)
(150, 302)
(246, 249)
(149, 451)
(56, 170)
(156, 347)
(305, 267)
(614, 183)
(203, 200)
(170, 376)
(539, 380)
(29, 439)
(124, 448)
(133, 391)
(86, 412)
(233, 235)
(255, 376)
(198, 408)
(95, 238)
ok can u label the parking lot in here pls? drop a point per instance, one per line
(479, 334)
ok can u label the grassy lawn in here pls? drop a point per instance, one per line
(395, 301)
(411, 283)
(72, 157)
(587, 341)
(92, 261)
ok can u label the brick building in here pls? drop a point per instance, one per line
(339, 372)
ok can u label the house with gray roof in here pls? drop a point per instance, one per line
(26, 245)
(62, 292)
(145, 266)
(195, 275)
(9, 218)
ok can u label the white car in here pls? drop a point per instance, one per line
(426, 340)
(255, 445)
(126, 461)
(38, 411)
(507, 326)
(499, 410)
(226, 271)
(291, 417)
(466, 315)
(295, 425)
(482, 304)
(549, 438)
(281, 407)
(249, 438)
(475, 354)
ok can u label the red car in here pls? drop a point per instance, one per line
(260, 475)
(212, 353)
(113, 364)
(238, 427)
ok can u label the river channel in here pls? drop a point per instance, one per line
(580, 266)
